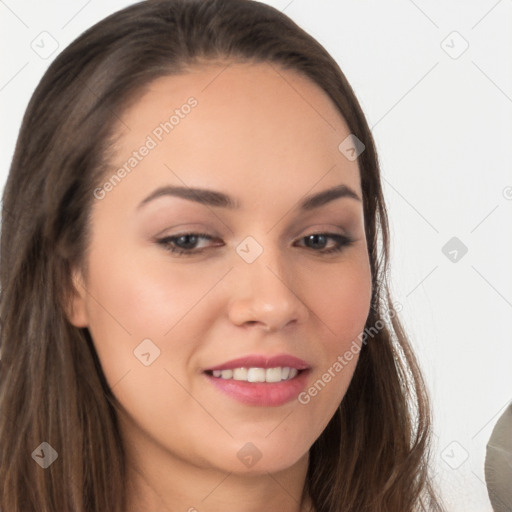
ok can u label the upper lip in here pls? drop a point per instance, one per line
(263, 361)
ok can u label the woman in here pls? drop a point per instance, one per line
(181, 328)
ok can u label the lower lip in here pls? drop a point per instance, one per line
(266, 394)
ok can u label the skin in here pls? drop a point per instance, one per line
(256, 130)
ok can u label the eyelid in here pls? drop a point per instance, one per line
(191, 229)
(341, 242)
(322, 228)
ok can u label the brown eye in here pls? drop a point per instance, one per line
(185, 243)
(314, 240)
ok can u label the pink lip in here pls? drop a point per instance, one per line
(262, 361)
(265, 394)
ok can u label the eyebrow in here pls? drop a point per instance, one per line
(221, 200)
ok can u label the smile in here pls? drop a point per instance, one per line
(257, 374)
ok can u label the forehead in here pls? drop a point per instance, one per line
(252, 125)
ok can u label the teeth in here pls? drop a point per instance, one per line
(224, 374)
(273, 374)
(258, 374)
(240, 374)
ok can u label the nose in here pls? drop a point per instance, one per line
(266, 293)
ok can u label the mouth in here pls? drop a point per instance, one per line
(277, 374)
(260, 380)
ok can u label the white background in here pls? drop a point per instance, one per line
(443, 128)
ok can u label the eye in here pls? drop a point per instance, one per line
(186, 243)
(315, 239)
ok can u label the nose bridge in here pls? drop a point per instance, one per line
(265, 291)
(263, 261)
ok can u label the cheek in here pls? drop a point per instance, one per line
(342, 304)
(130, 301)
(147, 322)
(144, 296)
(340, 297)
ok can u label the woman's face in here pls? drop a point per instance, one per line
(258, 286)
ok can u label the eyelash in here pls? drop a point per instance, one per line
(343, 242)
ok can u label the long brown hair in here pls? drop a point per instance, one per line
(374, 453)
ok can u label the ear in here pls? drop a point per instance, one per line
(76, 308)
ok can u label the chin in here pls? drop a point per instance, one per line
(262, 458)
